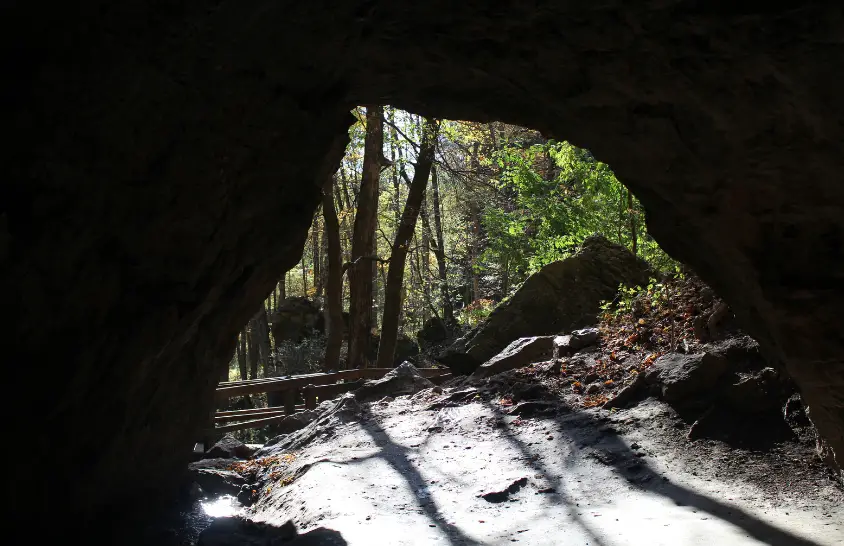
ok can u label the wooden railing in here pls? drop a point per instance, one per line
(310, 389)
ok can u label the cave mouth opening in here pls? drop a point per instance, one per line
(502, 201)
(147, 217)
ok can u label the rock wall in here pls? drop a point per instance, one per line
(163, 159)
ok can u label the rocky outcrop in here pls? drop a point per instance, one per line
(296, 318)
(560, 297)
(165, 162)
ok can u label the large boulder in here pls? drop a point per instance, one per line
(295, 319)
(682, 377)
(433, 331)
(562, 296)
(518, 354)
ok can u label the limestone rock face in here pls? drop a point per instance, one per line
(164, 160)
(561, 296)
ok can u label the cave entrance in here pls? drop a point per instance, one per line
(501, 202)
(510, 224)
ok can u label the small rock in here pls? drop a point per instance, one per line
(627, 394)
(533, 407)
(228, 447)
(248, 494)
(584, 338)
(501, 496)
(594, 388)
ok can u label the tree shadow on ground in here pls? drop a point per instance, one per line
(614, 452)
(396, 456)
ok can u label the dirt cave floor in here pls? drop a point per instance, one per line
(456, 466)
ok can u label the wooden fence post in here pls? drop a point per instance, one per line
(310, 397)
(290, 401)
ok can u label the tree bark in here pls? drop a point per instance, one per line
(439, 251)
(398, 257)
(333, 283)
(304, 277)
(259, 341)
(475, 227)
(317, 254)
(634, 236)
(241, 356)
(363, 240)
(425, 254)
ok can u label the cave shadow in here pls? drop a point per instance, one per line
(185, 522)
(235, 530)
(614, 452)
(760, 431)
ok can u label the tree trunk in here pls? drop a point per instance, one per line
(476, 235)
(317, 253)
(425, 253)
(304, 278)
(631, 213)
(282, 287)
(345, 187)
(334, 282)
(241, 356)
(255, 344)
(398, 257)
(475, 227)
(439, 251)
(363, 240)
(264, 339)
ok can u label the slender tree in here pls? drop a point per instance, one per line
(631, 212)
(241, 355)
(317, 256)
(398, 256)
(439, 250)
(363, 240)
(334, 281)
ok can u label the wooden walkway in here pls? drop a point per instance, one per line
(301, 392)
